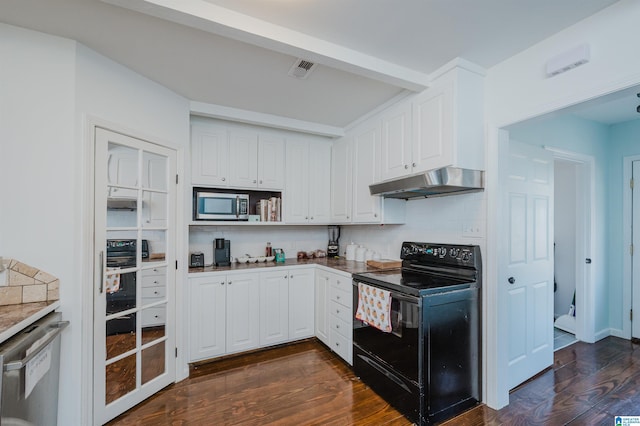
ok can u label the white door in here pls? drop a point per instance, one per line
(243, 159)
(320, 185)
(341, 179)
(635, 272)
(134, 336)
(297, 194)
(209, 155)
(526, 264)
(270, 162)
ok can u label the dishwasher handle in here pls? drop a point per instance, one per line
(17, 365)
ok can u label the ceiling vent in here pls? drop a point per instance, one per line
(301, 69)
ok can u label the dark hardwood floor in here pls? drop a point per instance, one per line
(304, 384)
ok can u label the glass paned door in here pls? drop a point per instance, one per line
(135, 205)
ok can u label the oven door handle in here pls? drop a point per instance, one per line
(394, 295)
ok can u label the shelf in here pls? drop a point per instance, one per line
(233, 223)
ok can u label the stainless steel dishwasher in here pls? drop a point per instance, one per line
(30, 371)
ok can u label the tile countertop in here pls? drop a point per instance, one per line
(13, 318)
(349, 266)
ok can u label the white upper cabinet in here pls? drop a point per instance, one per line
(440, 127)
(396, 149)
(236, 156)
(355, 164)
(209, 155)
(341, 187)
(271, 160)
(307, 197)
(243, 159)
(366, 167)
(448, 122)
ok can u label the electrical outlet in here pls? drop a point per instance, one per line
(473, 230)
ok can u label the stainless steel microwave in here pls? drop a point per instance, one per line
(220, 206)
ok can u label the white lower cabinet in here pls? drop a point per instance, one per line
(333, 312)
(274, 307)
(243, 300)
(223, 314)
(236, 312)
(207, 317)
(301, 303)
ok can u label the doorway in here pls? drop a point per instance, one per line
(135, 272)
(574, 242)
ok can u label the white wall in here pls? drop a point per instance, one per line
(39, 166)
(48, 88)
(516, 90)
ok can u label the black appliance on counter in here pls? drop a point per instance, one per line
(429, 365)
(333, 247)
(122, 254)
(221, 252)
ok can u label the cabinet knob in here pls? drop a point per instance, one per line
(285, 277)
(375, 215)
(413, 164)
(306, 217)
(337, 344)
(311, 217)
(222, 283)
(338, 297)
(511, 280)
(347, 217)
(155, 282)
(337, 311)
(223, 179)
(155, 292)
(337, 325)
(229, 282)
(260, 182)
(254, 181)
(406, 166)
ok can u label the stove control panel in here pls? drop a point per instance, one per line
(430, 253)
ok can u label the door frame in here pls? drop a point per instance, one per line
(86, 216)
(627, 261)
(585, 231)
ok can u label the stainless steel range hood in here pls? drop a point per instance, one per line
(432, 183)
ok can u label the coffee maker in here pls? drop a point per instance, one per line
(221, 252)
(333, 248)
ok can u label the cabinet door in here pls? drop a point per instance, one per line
(301, 303)
(243, 295)
(366, 143)
(341, 188)
(209, 156)
(243, 159)
(319, 183)
(322, 298)
(297, 193)
(207, 322)
(395, 158)
(271, 162)
(432, 129)
(274, 307)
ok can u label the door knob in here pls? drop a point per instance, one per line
(511, 280)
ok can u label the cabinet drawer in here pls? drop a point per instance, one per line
(157, 292)
(153, 280)
(340, 311)
(342, 297)
(154, 316)
(341, 283)
(342, 327)
(160, 270)
(341, 345)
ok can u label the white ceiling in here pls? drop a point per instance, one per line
(236, 53)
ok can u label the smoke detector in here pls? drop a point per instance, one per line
(301, 69)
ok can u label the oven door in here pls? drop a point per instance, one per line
(402, 348)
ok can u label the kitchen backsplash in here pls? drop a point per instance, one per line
(252, 240)
(456, 219)
(26, 284)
